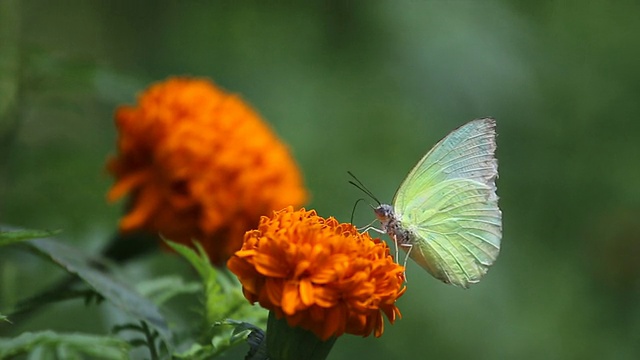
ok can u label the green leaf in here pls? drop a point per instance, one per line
(237, 334)
(149, 340)
(200, 261)
(196, 352)
(223, 293)
(13, 236)
(49, 344)
(116, 292)
(55, 295)
(162, 289)
(254, 336)
(4, 318)
(223, 300)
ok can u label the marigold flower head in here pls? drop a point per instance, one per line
(319, 274)
(199, 164)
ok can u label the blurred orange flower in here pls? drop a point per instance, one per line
(319, 274)
(199, 164)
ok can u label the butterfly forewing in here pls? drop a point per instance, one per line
(448, 202)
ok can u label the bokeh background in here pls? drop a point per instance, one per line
(367, 87)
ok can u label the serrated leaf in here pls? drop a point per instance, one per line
(217, 289)
(196, 352)
(254, 336)
(14, 236)
(223, 300)
(39, 343)
(164, 288)
(223, 293)
(116, 292)
(200, 261)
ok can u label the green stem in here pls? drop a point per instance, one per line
(293, 343)
(151, 341)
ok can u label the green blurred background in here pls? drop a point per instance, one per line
(367, 87)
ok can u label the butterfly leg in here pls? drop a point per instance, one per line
(395, 243)
(404, 265)
(370, 227)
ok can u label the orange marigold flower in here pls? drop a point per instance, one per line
(200, 164)
(319, 274)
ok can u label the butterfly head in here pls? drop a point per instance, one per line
(384, 213)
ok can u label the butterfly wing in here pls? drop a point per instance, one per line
(448, 203)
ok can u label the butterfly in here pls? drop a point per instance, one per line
(445, 213)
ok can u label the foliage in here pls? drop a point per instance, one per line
(14, 236)
(143, 306)
(223, 300)
(113, 290)
(52, 345)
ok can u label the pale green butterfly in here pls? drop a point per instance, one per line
(445, 213)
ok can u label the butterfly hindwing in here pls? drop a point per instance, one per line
(458, 238)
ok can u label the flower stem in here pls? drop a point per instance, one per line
(289, 343)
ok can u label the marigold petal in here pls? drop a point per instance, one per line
(334, 324)
(306, 292)
(142, 211)
(378, 325)
(290, 298)
(326, 296)
(126, 184)
(274, 289)
(269, 265)
(246, 273)
(331, 269)
(301, 268)
(246, 253)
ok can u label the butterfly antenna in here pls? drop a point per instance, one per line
(353, 212)
(357, 183)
